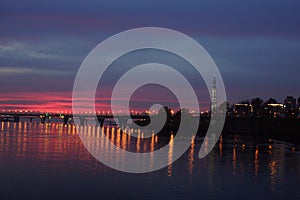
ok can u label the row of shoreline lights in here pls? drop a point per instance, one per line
(88, 112)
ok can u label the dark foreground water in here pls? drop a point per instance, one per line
(40, 161)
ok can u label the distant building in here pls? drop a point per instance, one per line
(214, 96)
(274, 110)
(242, 110)
(290, 107)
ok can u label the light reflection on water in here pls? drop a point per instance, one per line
(237, 164)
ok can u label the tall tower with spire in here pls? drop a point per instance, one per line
(214, 96)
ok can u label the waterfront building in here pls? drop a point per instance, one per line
(290, 107)
(242, 110)
(274, 110)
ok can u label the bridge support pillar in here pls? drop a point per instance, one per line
(66, 119)
(82, 121)
(16, 118)
(100, 120)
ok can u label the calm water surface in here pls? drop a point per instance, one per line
(48, 161)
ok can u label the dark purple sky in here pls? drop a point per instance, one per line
(255, 44)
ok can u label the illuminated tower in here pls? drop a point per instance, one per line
(214, 96)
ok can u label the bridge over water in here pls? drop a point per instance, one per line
(46, 117)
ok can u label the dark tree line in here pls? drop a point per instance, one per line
(270, 108)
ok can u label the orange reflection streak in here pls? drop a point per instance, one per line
(234, 160)
(145, 144)
(19, 144)
(69, 129)
(7, 138)
(118, 138)
(152, 146)
(107, 141)
(205, 145)
(19, 127)
(100, 136)
(112, 138)
(138, 143)
(89, 131)
(273, 175)
(23, 147)
(256, 161)
(128, 139)
(2, 126)
(107, 132)
(117, 134)
(191, 155)
(97, 135)
(152, 143)
(170, 155)
(124, 139)
(221, 145)
(25, 127)
(15, 126)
